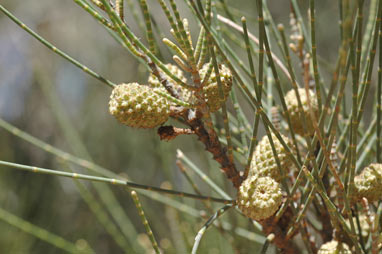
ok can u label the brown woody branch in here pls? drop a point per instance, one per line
(279, 230)
(213, 145)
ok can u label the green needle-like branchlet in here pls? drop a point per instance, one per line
(111, 181)
(314, 54)
(119, 8)
(277, 80)
(145, 223)
(379, 100)
(94, 13)
(332, 209)
(175, 48)
(250, 60)
(55, 49)
(209, 222)
(223, 104)
(149, 30)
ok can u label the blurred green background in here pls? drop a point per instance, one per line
(42, 93)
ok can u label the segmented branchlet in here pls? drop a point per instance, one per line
(184, 93)
(276, 120)
(259, 197)
(138, 106)
(333, 154)
(296, 36)
(334, 247)
(334, 160)
(296, 115)
(368, 184)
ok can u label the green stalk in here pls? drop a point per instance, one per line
(256, 41)
(124, 31)
(181, 156)
(174, 27)
(187, 45)
(119, 8)
(251, 98)
(149, 30)
(314, 55)
(223, 105)
(111, 181)
(335, 215)
(145, 223)
(209, 222)
(256, 87)
(89, 9)
(276, 77)
(241, 120)
(55, 49)
(379, 99)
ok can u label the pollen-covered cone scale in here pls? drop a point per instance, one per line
(138, 106)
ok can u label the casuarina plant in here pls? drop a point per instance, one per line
(266, 133)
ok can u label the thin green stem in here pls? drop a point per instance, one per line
(112, 181)
(379, 99)
(94, 13)
(119, 8)
(250, 60)
(124, 31)
(314, 54)
(276, 77)
(181, 156)
(149, 30)
(335, 215)
(145, 223)
(55, 49)
(224, 107)
(209, 222)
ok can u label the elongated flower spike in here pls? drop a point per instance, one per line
(138, 106)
